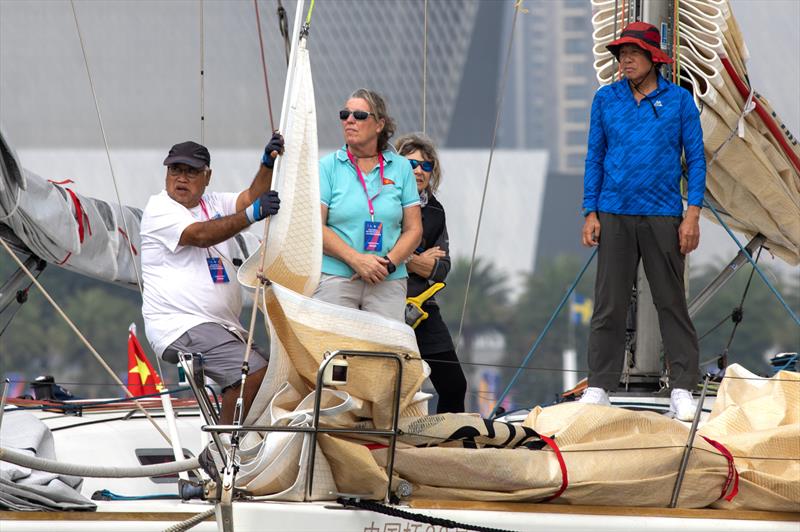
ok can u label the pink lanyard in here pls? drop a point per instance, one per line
(203, 208)
(364, 183)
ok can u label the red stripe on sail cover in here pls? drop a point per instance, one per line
(80, 217)
(79, 214)
(733, 474)
(133, 248)
(564, 478)
(375, 446)
(768, 121)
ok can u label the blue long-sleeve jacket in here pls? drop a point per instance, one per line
(633, 164)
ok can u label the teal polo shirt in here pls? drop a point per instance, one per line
(341, 191)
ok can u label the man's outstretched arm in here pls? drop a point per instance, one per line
(212, 232)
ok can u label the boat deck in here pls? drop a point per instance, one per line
(124, 516)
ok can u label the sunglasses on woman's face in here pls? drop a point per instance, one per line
(344, 114)
(427, 166)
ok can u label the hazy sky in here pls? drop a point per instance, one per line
(145, 55)
(770, 29)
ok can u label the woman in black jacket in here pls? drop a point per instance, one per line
(430, 264)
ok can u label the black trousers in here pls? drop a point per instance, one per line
(436, 348)
(624, 240)
(448, 380)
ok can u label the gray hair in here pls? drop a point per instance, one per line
(421, 142)
(377, 106)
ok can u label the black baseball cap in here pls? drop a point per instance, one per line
(191, 153)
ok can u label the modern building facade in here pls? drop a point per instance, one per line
(551, 82)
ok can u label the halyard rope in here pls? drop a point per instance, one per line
(424, 66)
(202, 85)
(191, 522)
(264, 67)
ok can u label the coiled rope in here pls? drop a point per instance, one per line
(191, 522)
(420, 518)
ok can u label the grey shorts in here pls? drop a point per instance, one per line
(222, 352)
(387, 298)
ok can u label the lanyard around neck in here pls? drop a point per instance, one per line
(203, 208)
(364, 183)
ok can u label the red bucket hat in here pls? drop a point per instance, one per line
(643, 35)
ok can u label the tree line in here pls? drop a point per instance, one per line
(36, 341)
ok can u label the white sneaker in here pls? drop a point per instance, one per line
(595, 396)
(682, 404)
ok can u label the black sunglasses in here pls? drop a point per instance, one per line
(344, 114)
(427, 166)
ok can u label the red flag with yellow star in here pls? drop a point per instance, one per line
(142, 378)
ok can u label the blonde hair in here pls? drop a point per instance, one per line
(422, 143)
(377, 106)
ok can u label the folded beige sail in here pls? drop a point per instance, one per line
(758, 421)
(292, 256)
(580, 454)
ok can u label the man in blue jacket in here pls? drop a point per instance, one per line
(640, 127)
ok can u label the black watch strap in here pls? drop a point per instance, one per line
(391, 268)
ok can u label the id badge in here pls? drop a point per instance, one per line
(373, 236)
(217, 270)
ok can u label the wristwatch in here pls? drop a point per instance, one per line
(390, 267)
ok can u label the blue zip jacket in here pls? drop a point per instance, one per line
(633, 164)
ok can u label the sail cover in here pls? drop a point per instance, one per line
(755, 179)
(76, 232)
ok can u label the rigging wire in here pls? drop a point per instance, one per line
(264, 67)
(80, 335)
(424, 66)
(283, 26)
(110, 164)
(451, 362)
(737, 316)
(504, 80)
(308, 15)
(622, 24)
(105, 143)
(541, 336)
(675, 44)
(20, 303)
(761, 274)
(202, 83)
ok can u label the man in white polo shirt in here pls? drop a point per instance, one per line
(192, 299)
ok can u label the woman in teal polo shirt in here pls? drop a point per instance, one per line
(371, 221)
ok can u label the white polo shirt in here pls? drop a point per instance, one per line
(179, 292)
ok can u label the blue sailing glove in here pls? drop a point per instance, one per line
(274, 144)
(267, 204)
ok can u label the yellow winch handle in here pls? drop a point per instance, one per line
(427, 294)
